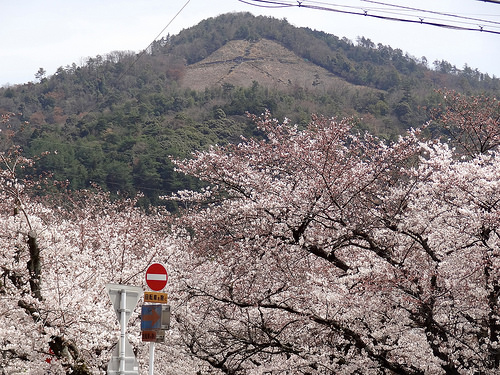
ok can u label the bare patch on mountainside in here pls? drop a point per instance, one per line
(241, 62)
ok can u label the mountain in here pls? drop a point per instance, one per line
(366, 64)
(242, 62)
(116, 119)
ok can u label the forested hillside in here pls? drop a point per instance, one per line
(116, 119)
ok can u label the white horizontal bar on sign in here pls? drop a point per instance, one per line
(156, 276)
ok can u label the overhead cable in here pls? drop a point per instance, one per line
(139, 56)
(482, 20)
(465, 24)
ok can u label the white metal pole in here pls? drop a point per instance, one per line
(151, 357)
(123, 323)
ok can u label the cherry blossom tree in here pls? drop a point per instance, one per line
(472, 123)
(322, 251)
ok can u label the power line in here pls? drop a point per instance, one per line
(434, 12)
(264, 6)
(491, 1)
(168, 24)
(389, 14)
(139, 56)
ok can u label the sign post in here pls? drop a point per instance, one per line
(124, 299)
(155, 318)
(151, 357)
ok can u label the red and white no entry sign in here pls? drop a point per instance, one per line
(156, 276)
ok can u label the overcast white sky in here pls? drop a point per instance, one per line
(54, 33)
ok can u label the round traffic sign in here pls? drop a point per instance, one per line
(156, 276)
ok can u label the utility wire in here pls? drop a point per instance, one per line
(270, 6)
(382, 14)
(168, 24)
(433, 12)
(491, 1)
(139, 56)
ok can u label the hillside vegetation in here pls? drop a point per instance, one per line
(116, 119)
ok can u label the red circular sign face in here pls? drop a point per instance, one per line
(156, 276)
